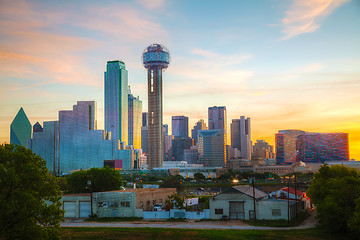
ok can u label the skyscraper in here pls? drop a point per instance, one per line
(156, 58)
(211, 148)
(321, 147)
(180, 126)
(144, 119)
(135, 120)
(218, 120)
(73, 142)
(116, 100)
(241, 136)
(200, 125)
(20, 129)
(285, 145)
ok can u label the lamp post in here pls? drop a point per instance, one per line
(288, 198)
(91, 195)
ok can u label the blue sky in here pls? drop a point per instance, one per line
(285, 64)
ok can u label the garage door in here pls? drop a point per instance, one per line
(69, 208)
(237, 210)
(85, 209)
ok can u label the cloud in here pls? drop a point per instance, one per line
(306, 16)
(151, 4)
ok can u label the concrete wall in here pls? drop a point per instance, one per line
(222, 202)
(77, 198)
(177, 213)
(274, 209)
(115, 204)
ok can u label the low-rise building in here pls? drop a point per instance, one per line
(122, 203)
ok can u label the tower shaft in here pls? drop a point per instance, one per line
(155, 120)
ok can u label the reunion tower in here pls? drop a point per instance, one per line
(155, 58)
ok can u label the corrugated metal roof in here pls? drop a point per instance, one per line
(248, 190)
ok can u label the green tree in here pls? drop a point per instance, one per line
(175, 200)
(173, 182)
(102, 179)
(335, 191)
(199, 176)
(30, 205)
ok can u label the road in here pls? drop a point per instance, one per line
(233, 224)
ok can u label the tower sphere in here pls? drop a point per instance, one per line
(156, 56)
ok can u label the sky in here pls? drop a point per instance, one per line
(286, 64)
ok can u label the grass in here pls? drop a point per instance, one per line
(185, 234)
(280, 223)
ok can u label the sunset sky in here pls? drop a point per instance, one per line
(285, 64)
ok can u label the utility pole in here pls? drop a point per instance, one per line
(253, 185)
(296, 199)
(91, 195)
(288, 195)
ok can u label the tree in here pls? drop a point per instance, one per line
(30, 205)
(102, 179)
(335, 191)
(175, 200)
(199, 176)
(173, 182)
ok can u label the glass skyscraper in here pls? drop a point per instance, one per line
(116, 100)
(135, 121)
(20, 129)
(73, 143)
(180, 126)
(211, 148)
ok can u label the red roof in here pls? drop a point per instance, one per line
(292, 191)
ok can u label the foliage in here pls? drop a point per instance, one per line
(199, 176)
(63, 184)
(175, 200)
(102, 179)
(173, 182)
(204, 201)
(335, 191)
(30, 205)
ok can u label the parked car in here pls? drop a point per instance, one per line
(158, 207)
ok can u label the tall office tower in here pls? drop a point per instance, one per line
(262, 150)
(135, 120)
(144, 119)
(116, 100)
(241, 136)
(156, 58)
(180, 126)
(211, 148)
(20, 129)
(73, 142)
(178, 147)
(200, 125)
(218, 120)
(321, 147)
(285, 141)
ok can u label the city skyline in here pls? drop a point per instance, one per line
(272, 62)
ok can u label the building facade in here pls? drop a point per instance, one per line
(241, 136)
(116, 100)
(212, 148)
(178, 147)
(73, 143)
(285, 141)
(180, 126)
(20, 129)
(321, 147)
(200, 125)
(262, 150)
(135, 121)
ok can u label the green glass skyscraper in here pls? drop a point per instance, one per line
(116, 100)
(20, 129)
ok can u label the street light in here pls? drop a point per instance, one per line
(91, 195)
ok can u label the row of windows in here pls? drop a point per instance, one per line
(113, 204)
